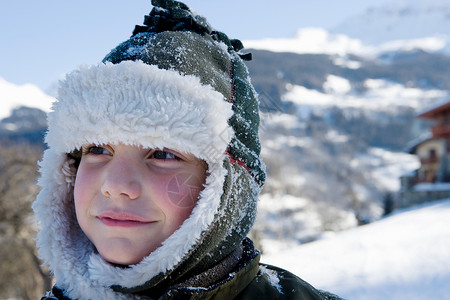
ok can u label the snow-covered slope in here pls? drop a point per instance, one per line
(403, 256)
(13, 96)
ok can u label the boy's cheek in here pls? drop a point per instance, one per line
(183, 190)
(86, 178)
(80, 200)
(82, 188)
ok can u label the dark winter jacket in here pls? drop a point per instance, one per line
(248, 280)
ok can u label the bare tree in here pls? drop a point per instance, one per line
(21, 273)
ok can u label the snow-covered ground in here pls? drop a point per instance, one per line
(403, 256)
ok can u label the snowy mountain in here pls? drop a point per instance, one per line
(396, 26)
(311, 40)
(319, 40)
(403, 256)
(23, 112)
(14, 96)
(399, 20)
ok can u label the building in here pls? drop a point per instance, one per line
(432, 180)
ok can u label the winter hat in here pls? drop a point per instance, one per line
(178, 84)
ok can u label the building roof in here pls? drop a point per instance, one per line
(436, 111)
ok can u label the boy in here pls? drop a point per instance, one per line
(150, 183)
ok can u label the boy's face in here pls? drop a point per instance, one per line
(128, 200)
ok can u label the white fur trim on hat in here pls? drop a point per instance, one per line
(136, 104)
(139, 104)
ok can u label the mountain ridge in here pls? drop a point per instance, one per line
(393, 26)
(399, 20)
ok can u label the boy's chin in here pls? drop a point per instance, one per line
(122, 257)
(122, 261)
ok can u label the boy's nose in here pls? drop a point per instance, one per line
(121, 180)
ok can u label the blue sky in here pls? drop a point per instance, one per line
(42, 40)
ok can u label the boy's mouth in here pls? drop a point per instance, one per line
(123, 219)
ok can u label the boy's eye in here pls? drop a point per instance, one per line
(97, 150)
(159, 154)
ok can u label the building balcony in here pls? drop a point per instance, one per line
(441, 131)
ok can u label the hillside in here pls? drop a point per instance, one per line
(403, 256)
(342, 127)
